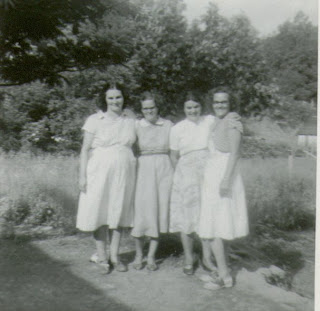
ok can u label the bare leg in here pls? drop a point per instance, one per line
(100, 236)
(114, 246)
(226, 253)
(218, 251)
(114, 251)
(206, 255)
(152, 250)
(187, 244)
(139, 250)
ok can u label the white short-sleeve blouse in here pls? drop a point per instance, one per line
(187, 136)
(110, 131)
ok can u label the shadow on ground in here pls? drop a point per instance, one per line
(32, 281)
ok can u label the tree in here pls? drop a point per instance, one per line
(43, 39)
(292, 58)
(161, 60)
(226, 52)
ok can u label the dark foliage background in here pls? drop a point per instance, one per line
(56, 55)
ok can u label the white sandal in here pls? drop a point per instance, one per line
(226, 282)
(102, 263)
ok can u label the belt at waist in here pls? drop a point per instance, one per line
(152, 152)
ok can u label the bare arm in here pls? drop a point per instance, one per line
(174, 157)
(84, 156)
(235, 140)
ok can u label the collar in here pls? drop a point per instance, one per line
(145, 123)
(195, 123)
(103, 115)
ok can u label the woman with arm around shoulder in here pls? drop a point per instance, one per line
(107, 176)
(223, 214)
(154, 179)
(188, 144)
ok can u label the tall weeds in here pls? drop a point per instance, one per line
(43, 190)
(38, 190)
(279, 198)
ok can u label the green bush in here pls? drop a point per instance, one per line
(17, 211)
(37, 209)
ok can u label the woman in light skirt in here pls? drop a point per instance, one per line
(223, 214)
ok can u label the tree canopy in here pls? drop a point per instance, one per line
(292, 56)
(41, 39)
(60, 53)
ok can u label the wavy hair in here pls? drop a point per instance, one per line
(111, 85)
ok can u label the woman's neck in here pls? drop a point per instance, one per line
(154, 121)
(222, 117)
(195, 121)
(113, 114)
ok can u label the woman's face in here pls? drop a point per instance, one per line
(221, 104)
(114, 100)
(149, 110)
(192, 110)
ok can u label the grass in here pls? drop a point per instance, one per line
(43, 190)
(280, 199)
(39, 190)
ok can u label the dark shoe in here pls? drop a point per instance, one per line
(119, 266)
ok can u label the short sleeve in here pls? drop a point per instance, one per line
(174, 139)
(90, 125)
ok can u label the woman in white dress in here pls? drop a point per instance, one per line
(154, 179)
(189, 152)
(107, 176)
(223, 214)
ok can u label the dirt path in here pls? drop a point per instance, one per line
(55, 275)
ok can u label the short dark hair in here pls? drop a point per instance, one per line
(222, 89)
(110, 85)
(151, 95)
(194, 96)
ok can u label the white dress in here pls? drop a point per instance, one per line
(190, 139)
(154, 179)
(108, 199)
(222, 217)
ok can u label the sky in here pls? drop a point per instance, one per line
(265, 15)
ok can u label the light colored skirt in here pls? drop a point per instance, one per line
(153, 188)
(108, 199)
(186, 192)
(222, 217)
